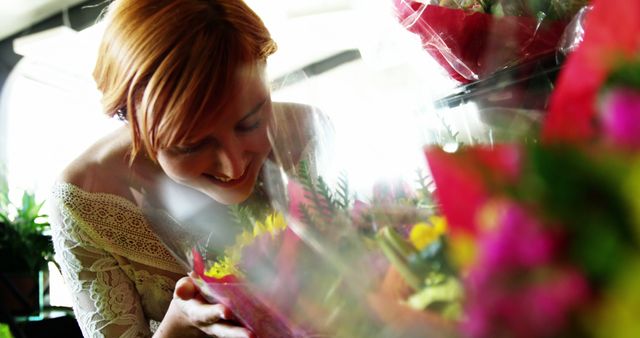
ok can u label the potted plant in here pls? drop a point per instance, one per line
(25, 248)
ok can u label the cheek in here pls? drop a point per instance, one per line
(259, 142)
(180, 169)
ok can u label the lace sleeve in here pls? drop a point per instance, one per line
(106, 303)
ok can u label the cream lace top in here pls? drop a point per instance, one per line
(120, 275)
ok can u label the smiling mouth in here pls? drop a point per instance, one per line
(226, 181)
(223, 179)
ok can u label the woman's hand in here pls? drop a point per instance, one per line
(190, 315)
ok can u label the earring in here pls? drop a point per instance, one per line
(121, 113)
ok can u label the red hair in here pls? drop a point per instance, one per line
(170, 63)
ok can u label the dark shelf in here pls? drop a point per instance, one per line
(525, 86)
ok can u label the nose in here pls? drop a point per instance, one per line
(230, 160)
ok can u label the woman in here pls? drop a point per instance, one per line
(188, 78)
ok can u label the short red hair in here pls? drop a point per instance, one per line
(170, 63)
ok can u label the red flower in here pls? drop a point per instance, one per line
(463, 180)
(470, 45)
(612, 33)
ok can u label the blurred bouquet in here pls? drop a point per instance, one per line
(472, 39)
(387, 250)
(232, 253)
(553, 226)
(248, 258)
(537, 238)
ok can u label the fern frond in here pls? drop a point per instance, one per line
(318, 193)
(242, 215)
(308, 217)
(327, 199)
(343, 199)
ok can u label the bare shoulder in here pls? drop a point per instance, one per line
(297, 129)
(298, 120)
(100, 167)
(297, 110)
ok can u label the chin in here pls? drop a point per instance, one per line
(230, 198)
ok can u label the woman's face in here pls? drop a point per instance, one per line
(223, 159)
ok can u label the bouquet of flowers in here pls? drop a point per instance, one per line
(552, 226)
(221, 245)
(276, 281)
(364, 240)
(474, 38)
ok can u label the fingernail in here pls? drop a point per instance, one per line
(226, 314)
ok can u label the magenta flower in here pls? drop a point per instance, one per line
(518, 286)
(620, 112)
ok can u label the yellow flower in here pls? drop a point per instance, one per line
(258, 229)
(488, 217)
(221, 268)
(226, 265)
(275, 222)
(462, 250)
(272, 224)
(422, 234)
(617, 314)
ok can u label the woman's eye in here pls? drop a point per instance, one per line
(246, 127)
(190, 149)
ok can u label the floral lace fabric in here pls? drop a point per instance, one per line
(120, 275)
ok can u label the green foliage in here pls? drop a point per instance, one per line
(242, 215)
(424, 198)
(552, 9)
(326, 206)
(5, 331)
(560, 180)
(626, 74)
(23, 235)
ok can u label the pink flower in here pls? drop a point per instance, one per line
(359, 211)
(519, 287)
(620, 113)
(297, 198)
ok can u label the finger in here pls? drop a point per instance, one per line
(228, 330)
(185, 289)
(206, 314)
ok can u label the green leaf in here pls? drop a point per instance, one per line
(343, 194)
(22, 234)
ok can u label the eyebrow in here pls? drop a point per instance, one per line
(254, 110)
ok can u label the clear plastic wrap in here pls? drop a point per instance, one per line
(373, 222)
(204, 237)
(365, 250)
(574, 32)
(473, 39)
(404, 236)
(280, 274)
